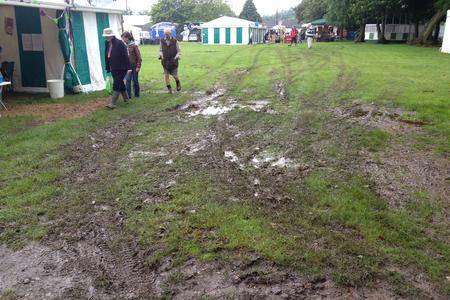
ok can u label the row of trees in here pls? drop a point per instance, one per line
(185, 11)
(358, 13)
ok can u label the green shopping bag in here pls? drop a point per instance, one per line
(109, 84)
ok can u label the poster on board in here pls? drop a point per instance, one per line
(9, 25)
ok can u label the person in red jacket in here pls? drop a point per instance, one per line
(294, 35)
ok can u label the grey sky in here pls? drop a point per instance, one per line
(265, 7)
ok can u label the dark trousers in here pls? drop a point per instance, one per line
(134, 76)
(118, 80)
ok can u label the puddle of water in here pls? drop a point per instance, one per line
(231, 156)
(283, 162)
(261, 159)
(213, 111)
(138, 154)
(274, 160)
(208, 105)
(201, 145)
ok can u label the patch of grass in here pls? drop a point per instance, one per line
(8, 295)
(373, 140)
(402, 287)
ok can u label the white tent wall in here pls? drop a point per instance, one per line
(233, 23)
(245, 35)
(93, 51)
(446, 39)
(115, 22)
(54, 61)
(10, 45)
(222, 35)
(395, 32)
(233, 36)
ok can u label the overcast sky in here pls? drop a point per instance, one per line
(265, 7)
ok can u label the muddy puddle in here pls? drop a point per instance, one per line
(264, 159)
(214, 103)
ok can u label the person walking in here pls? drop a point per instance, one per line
(135, 61)
(118, 64)
(310, 34)
(170, 54)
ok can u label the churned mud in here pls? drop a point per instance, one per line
(47, 113)
(89, 253)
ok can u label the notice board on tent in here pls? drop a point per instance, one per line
(32, 42)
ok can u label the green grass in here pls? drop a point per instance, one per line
(328, 222)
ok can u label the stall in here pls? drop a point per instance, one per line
(232, 31)
(57, 40)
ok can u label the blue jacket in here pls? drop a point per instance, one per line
(119, 59)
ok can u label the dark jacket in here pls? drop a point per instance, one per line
(119, 59)
(169, 50)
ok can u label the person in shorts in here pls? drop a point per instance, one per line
(170, 54)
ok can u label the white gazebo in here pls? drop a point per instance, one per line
(232, 31)
(446, 39)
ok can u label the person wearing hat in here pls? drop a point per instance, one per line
(170, 54)
(118, 64)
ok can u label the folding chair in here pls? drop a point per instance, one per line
(2, 86)
(8, 72)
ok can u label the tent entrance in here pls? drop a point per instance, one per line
(31, 51)
(205, 35)
(216, 35)
(239, 35)
(228, 35)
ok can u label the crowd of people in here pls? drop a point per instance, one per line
(295, 36)
(124, 61)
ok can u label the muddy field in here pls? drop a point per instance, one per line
(223, 193)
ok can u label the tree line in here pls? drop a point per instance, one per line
(187, 11)
(358, 13)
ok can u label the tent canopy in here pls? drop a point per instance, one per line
(230, 22)
(319, 22)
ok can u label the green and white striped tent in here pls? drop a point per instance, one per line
(232, 31)
(31, 40)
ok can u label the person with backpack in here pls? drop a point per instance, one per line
(169, 55)
(135, 61)
(118, 64)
